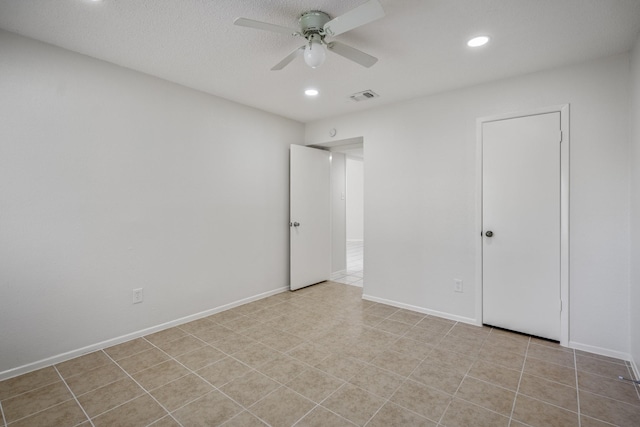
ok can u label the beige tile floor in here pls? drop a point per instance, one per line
(354, 274)
(322, 356)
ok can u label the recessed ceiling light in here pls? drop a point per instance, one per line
(311, 92)
(478, 41)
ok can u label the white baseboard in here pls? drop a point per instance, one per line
(422, 310)
(599, 350)
(572, 344)
(128, 337)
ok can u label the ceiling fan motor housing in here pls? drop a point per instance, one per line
(312, 22)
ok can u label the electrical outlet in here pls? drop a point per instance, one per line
(457, 285)
(137, 296)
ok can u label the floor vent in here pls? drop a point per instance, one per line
(364, 95)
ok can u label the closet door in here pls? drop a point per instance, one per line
(521, 224)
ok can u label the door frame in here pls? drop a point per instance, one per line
(563, 109)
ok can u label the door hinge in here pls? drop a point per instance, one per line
(560, 306)
(560, 136)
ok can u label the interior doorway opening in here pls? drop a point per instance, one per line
(354, 274)
(347, 210)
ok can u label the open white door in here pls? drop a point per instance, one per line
(522, 224)
(310, 216)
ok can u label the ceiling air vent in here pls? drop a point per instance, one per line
(364, 95)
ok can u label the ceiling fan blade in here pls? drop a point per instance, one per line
(368, 12)
(286, 61)
(244, 22)
(352, 53)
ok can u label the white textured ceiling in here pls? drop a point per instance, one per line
(420, 44)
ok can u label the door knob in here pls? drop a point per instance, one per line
(489, 233)
(296, 224)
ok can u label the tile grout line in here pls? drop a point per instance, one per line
(205, 380)
(251, 368)
(317, 404)
(30, 390)
(575, 367)
(466, 374)
(547, 403)
(606, 423)
(74, 395)
(596, 393)
(576, 370)
(144, 389)
(387, 400)
(505, 388)
(488, 409)
(433, 347)
(345, 382)
(407, 377)
(336, 391)
(307, 413)
(515, 398)
(120, 379)
(547, 378)
(4, 421)
(229, 420)
(102, 350)
(40, 411)
(453, 395)
(269, 394)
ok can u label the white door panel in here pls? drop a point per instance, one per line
(521, 207)
(310, 216)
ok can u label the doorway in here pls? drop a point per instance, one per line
(355, 221)
(523, 222)
(347, 210)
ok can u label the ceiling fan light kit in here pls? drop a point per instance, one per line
(315, 25)
(314, 52)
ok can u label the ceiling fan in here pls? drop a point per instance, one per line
(315, 25)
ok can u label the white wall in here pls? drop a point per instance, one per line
(112, 180)
(420, 194)
(355, 199)
(338, 213)
(634, 300)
